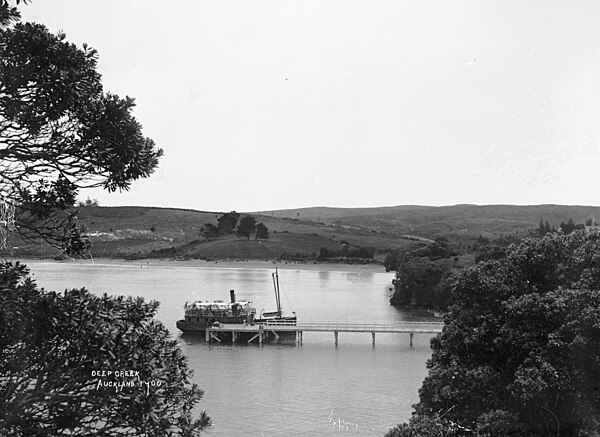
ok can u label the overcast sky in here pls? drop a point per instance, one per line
(271, 104)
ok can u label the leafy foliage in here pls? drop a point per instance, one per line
(8, 13)
(571, 226)
(346, 252)
(209, 231)
(227, 222)
(520, 350)
(262, 232)
(392, 261)
(544, 228)
(424, 283)
(246, 227)
(53, 343)
(59, 132)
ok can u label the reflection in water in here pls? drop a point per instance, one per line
(279, 389)
(323, 277)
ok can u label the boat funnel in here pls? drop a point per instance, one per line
(232, 294)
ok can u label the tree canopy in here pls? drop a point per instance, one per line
(520, 350)
(60, 131)
(74, 363)
(53, 348)
(227, 222)
(262, 232)
(247, 227)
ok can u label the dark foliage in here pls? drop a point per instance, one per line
(59, 132)
(51, 344)
(392, 261)
(570, 226)
(424, 283)
(346, 251)
(210, 231)
(262, 232)
(247, 227)
(520, 350)
(227, 222)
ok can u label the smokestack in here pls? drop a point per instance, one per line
(232, 294)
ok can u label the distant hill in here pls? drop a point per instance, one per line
(454, 222)
(138, 232)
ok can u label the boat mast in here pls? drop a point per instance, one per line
(277, 296)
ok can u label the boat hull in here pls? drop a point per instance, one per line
(184, 326)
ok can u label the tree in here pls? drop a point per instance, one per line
(59, 132)
(209, 231)
(540, 229)
(88, 202)
(55, 348)
(570, 226)
(227, 222)
(246, 227)
(323, 254)
(421, 282)
(262, 231)
(520, 350)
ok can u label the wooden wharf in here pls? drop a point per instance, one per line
(277, 328)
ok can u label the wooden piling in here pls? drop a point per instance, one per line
(412, 334)
(335, 334)
(373, 337)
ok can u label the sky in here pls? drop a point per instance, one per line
(274, 104)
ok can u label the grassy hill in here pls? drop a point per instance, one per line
(462, 222)
(133, 232)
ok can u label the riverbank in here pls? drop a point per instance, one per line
(232, 264)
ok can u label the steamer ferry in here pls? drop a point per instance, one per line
(200, 315)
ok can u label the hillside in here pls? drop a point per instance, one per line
(138, 232)
(462, 222)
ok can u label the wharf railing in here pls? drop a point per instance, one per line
(277, 327)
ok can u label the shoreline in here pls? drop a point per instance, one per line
(233, 264)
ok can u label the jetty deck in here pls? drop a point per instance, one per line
(276, 329)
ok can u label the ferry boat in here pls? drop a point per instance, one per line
(199, 315)
(202, 314)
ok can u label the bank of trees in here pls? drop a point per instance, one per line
(233, 223)
(59, 132)
(564, 227)
(424, 275)
(346, 251)
(520, 350)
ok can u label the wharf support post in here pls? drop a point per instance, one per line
(412, 334)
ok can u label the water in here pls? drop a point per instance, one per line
(312, 390)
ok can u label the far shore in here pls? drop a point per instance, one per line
(233, 264)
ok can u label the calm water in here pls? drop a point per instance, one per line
(312, 390)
